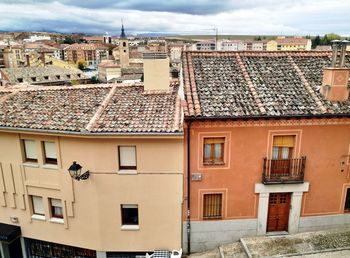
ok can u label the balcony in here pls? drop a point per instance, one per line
(283, 171)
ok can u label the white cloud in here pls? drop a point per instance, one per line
(298, 17)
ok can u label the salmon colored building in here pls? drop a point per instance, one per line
(267, 144)
(123, 147)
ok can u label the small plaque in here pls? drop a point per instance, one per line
(196, 177)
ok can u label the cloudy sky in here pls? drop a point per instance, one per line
(258, 17)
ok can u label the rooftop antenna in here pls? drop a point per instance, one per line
(216, 36)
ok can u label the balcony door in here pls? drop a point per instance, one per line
(282, 153)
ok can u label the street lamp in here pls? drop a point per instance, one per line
(75, 172)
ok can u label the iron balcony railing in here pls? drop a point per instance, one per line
(277, 171)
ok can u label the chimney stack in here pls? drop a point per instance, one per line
(156, 71)
(335, 84)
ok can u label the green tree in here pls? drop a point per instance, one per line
(81, 64)
(316, 41)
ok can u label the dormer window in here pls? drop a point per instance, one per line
(79, 75)
(46, 77)
(33, 79)
(20, 79)
(68, 76)
(58, 77)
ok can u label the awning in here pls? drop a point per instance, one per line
(8, 233)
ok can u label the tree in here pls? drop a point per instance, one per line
(316, 41)
(81, 64)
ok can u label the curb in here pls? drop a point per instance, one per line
(245, 248)
(311, 252)
(221, 252)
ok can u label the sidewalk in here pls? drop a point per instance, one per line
(332, 243)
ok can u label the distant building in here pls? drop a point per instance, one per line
(107, 39)
(289, 44)
(91, 54)
(34, 38)
(108, 70)
(323, 48)
(48, 75)
(205, 45)
(123, 49)
(13, 56)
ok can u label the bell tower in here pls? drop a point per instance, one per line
(123, 49)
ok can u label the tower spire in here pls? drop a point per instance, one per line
(122, 34)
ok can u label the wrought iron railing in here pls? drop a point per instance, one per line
(283, 170)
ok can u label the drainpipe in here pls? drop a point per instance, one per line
(188, 190)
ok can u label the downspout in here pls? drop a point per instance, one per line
(188, 190)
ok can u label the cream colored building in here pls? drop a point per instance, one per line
(108, 70)
(289, 44)
(130, 203)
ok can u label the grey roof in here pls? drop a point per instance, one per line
(248, 84)
(42, 74)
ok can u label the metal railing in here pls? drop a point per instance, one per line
(283, 170)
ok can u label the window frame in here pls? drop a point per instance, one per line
(52, 209)
(347, 191)
(120, 167)
(122, 209)
(220, 209)
(213, 160)
(33, 206)
(47, 160)
(25, 156)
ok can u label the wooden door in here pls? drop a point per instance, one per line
(278, 212)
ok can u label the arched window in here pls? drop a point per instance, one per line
(124, 44)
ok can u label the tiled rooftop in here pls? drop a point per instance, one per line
(92, 109)
(244, 84)
(46, 74)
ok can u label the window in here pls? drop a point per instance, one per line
(130, 214)
(30, 154)
(213, 150)
(33, 79)
(282, 152)
(124, 44)
(20, 79)
(56, 208)
(58, 77)
(38, 207)
(283, 147)
(127, 157)
(212, 206)
(347, 200)
(50, 154)
(46, 77)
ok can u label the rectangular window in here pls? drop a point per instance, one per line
(213, 150)
(38, 206)
(282, 153)
(30, 154)
(130, 214)
(127, 157)
(347, 200)
(212, 206)
(50, 154)
(56, 208)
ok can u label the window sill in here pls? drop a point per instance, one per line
(57, 220)
(213, 163)
(127, 172)
(50, 166)
(38, 217)
(31, 164)
(130, 227)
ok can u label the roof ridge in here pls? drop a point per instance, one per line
(193, 88)
(101, 108)
(4, 98)
(308, 86)
(177, 118)
(187, 84)
(250, 84)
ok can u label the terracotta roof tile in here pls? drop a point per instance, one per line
(94, 109)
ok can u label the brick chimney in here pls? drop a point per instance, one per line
(335, 84)
(156, 71)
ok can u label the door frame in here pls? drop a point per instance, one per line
(296, 191)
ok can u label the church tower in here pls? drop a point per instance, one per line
(123, 49)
